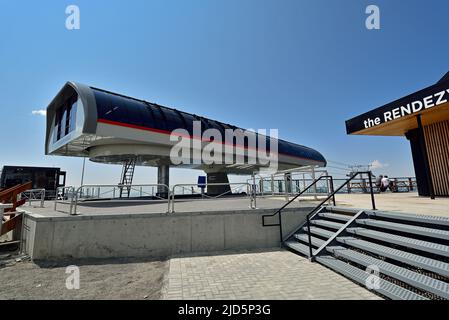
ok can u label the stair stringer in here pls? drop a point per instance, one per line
(341, 232)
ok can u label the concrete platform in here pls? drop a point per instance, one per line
(103, 230)
(141, 229)
(407, 202)
(121, 207)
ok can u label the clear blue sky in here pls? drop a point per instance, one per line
(303, 67)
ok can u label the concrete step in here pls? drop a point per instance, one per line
(316, 242)
(335, 216)
(425, 246)
(385, 288)
(327, 224)
(319, 232)
(444, 221)
(436, 266)
(412, 278)
(429, 232)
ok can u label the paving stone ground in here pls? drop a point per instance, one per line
(276, 274)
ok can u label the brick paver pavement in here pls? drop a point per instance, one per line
(276, 274)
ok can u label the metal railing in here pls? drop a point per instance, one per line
(64, 195)
(314, 210)
(279, 211)
(238, 185)
(312, 213)
(290, 182)
(93, 192)
(34, 195)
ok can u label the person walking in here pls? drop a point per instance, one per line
(379, 181)
(385, 183)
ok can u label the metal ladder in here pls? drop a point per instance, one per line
(127, 177)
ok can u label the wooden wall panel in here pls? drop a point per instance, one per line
(437, 144)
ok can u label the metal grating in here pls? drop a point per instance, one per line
(425, 246)
(319, 232)
(410, 217)
(412, 278)
(334, 216)
(435, 233)
(327, 224)
(305, 238)
(433, 265)
(386, 288)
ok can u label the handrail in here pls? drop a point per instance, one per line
(251, 193)
(333, 195)
(33, 194)
(279, 211)
(75, 198)
(70, 192)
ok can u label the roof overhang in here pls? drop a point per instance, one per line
(399, 117)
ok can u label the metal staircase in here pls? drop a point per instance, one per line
(396, 255)
(409, 251)
(127, 178)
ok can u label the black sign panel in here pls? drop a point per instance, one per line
(428, 98)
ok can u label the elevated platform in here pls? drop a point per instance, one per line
(398, 202)
(136, 228)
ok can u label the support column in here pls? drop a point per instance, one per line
(422, 140)
(218, 177)
(163, 177)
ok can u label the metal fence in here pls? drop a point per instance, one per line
(65, 195)
(34, 195)
(112, 192)
(73, 197)
(278, 186)
(252, 189)
(234, 188)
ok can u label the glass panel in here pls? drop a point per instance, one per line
(63, 122)
(67, 120)
(72, 121)
(58, 118)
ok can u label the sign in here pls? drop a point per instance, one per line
(201, 181)
(413, 104)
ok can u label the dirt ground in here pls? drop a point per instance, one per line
(99, 278)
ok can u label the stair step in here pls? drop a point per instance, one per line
(327, 224)
(412, 278)
(423, 231)
(343, 210)
(439, 267)
(319, 232)
(298, 247)
(410, 217)
(317, 242)
(386, 288)
(426, 246)
(334, 216)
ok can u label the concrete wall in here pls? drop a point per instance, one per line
(153, 235)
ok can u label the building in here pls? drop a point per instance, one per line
(41, 177)
(107, 127)
(423, 118)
